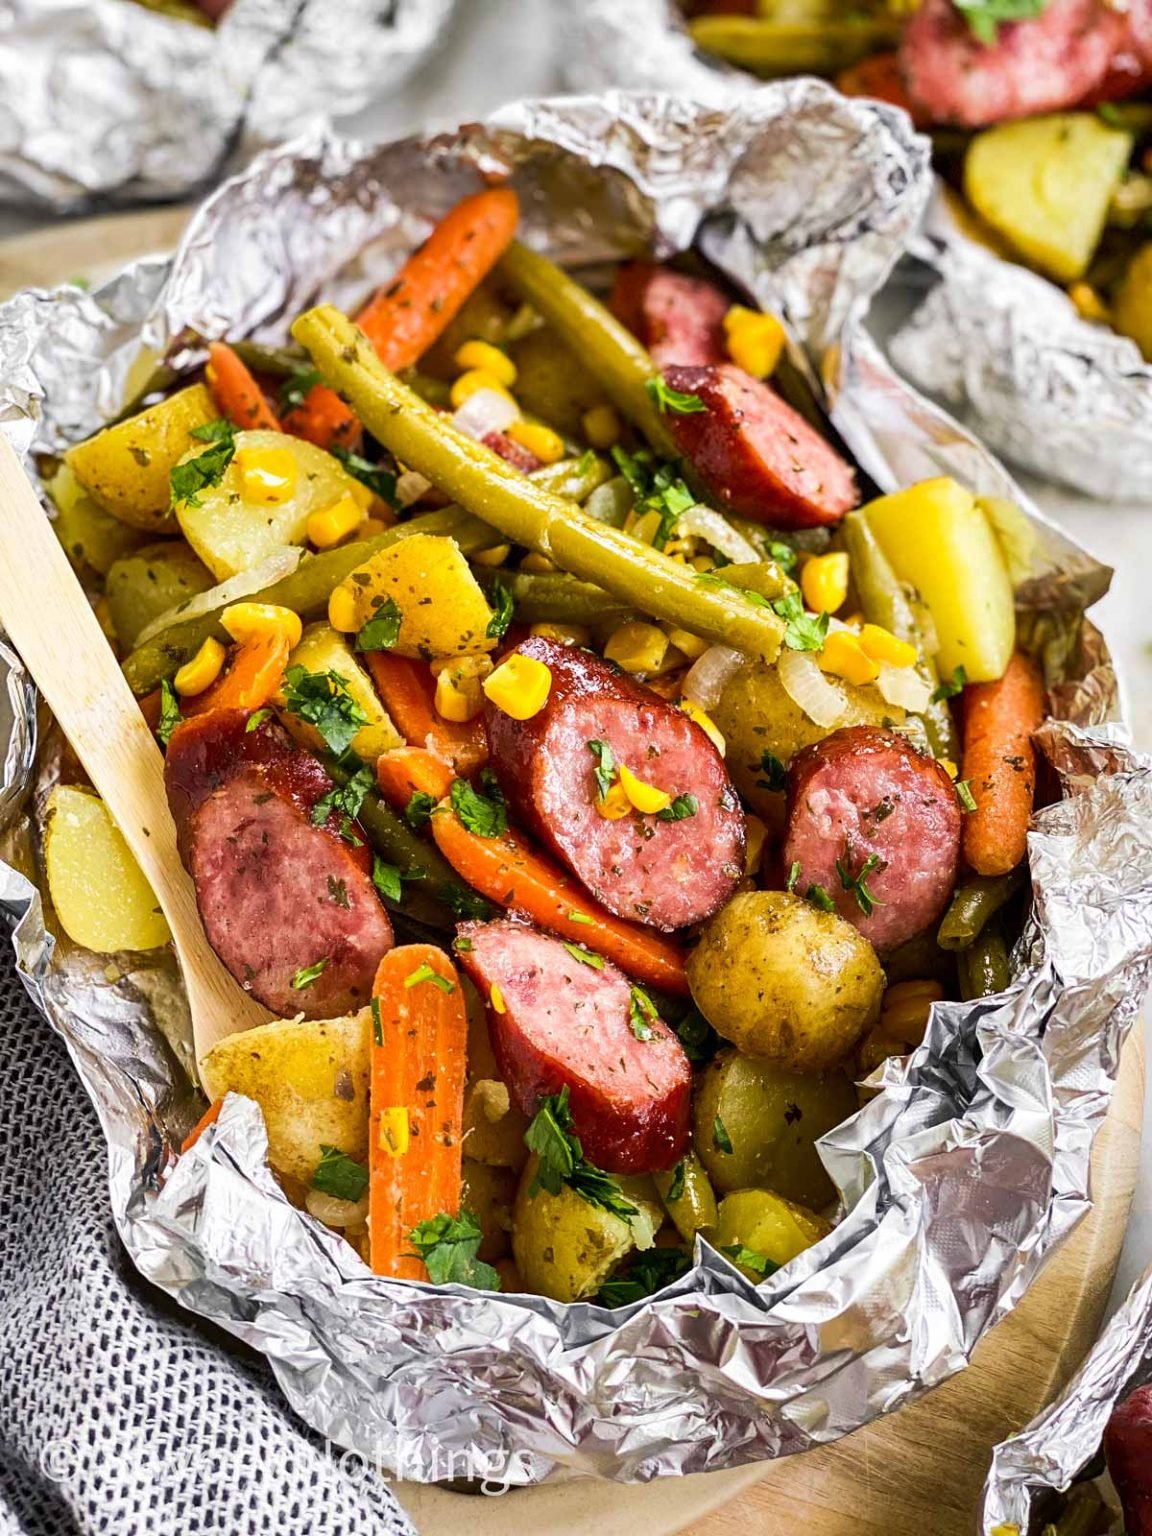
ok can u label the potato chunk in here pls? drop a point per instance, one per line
(321, 649)
(566, 1248)
(142, 586)
(1045, 184)
(443, 611)
(770, 1226)
(90, 536)
(100, 895)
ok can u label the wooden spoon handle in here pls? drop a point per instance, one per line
(51, 623)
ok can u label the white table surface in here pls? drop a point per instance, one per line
(501, 49)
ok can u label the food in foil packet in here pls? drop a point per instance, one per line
(1042, 135)
(597, 748)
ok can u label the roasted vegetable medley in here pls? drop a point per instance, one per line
(589, 778)
(1038, 109)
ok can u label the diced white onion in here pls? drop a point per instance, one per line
(808, 688)
(717, 531)
(237, 587)
(485, 411)
(904, 687)
(709, 675)
(336, 1213)
(410, 487)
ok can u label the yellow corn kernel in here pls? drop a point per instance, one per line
(843, 656)
(638, 647)
(755, 341)
(496, 998)
(756, 834)
(643, 797)
(1088, 304)
(548, 446)
(334, 523)
(949, 767)
(853, 620)
(703, 563)
(202, 671)
(884, 646)
(706, 724)
(538, 565)
(519, 686)
(267, 475)
(468, 384)
(394, 1131)
(563, 634)
(248, 621)
(458, 699)
(602, 426)
(493, 556)
(824, 582)
(615, 805)
(342, 611)
(484, 356)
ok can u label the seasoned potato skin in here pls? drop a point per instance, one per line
(150, 582)
(91, 537)
(784, 981)
(489, 1193)
(552, 382)
(443, 611)
(773, 1119)
(768, 1224)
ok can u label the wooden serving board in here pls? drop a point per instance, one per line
(920, 1471)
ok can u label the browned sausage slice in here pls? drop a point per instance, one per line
(755, 454)
(278, 895)
(557, 1020)
(679, 319)
(663, 872)
(865, 804)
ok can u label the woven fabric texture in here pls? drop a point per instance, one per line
(119, 1415)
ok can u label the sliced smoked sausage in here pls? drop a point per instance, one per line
(650, 869)
(555, 1021)
(679, 319)
(864, 804)
(278, 895)
(755, 454)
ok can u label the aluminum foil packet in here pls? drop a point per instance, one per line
(968, 1166)
(110, 102)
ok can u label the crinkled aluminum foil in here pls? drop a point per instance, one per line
(957, 1179)
(999, 345)
(108, 101)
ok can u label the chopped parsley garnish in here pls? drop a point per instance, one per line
(425, 972)
(949, 689)
(986, 17)
(679, 1177)
(381, 482)
(605, 770)
(419, 809)
(187, 480)
(462, 944)
(644, 1275)
(170, 716)
(793, 875)
(298, 386)
(696, 1035)
(802, 631)
(256, 719)
(585, 956)
(665, 398)
(325, 701)
(775, 774)
(820, 898)
(377, 1022)
(858, 884)
(386, 878)
(642, 1014)
(339, 1175)
(748, 1258)
(449, 1245)
(345, 800)
(502, 608)
(562, 1161)
(580, 917)
(720, 1137)
(338, 892)
(483, 814)
(964, 794)
(681, 808)
(658, 490)
(305, 977)
(382, 630)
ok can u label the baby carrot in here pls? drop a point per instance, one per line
(323, 418)
(999, 764)
(406, 771)
(252, 679)
(236, 392)
(407, 691)
(419, 1041)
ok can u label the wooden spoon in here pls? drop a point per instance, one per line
(49, 620)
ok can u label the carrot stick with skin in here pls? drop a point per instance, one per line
(237, 393)
(323, 418)
(407, 691)
(999, 763)
(406, 771)
(419, 1042)
(252, 679)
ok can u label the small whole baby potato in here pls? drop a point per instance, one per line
(770, 1226)
(782, 980)
(756, 1126)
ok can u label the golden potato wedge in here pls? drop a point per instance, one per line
(90, 536)
(443, 611)
(233, 530)
(775, 1228)
(125, 468)
(153, 580)
(566, 1248)
(310, 1078)
(321, 649)
(101, 897)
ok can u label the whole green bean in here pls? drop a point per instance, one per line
(306, 591)
(774, 48)
(574, 478)
(974, 903)
(983, 967)
(884, 601)
(603, 345)
(554, 597)
(635, 575)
